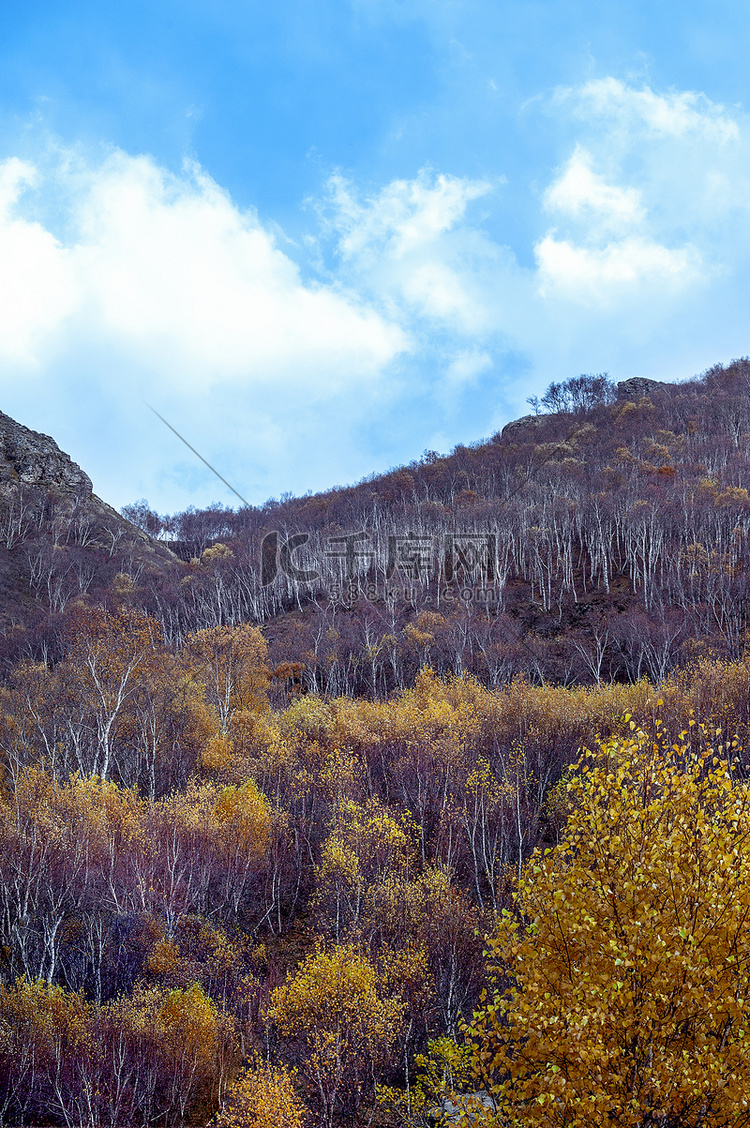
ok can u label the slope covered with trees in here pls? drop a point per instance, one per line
(605, 538)
(189, 878)
(258, 832)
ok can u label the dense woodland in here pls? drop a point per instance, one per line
(265, 841)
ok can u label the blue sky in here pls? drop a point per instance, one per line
(322, 237)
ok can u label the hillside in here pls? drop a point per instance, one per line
(223, 895)
(59, 542)
(603, 538)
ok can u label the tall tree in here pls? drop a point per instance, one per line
(621, 984)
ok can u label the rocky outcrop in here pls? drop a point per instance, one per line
(637, 387)
(33, 463)
(30, 458)
(633, 389)
(527, 423)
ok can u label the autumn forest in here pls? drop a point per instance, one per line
(418, 801)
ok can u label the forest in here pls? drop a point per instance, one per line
(417, 800)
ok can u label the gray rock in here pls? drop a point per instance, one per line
(28, 458)
(637, 387)
(466, 1110)
(32, 459)
(525, 423)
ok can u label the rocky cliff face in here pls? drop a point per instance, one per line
(33, 464)
(30, 458)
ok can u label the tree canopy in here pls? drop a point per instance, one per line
(621, 983)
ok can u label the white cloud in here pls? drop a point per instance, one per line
(176, 261)
(641, 206)
(466, 367)
(157, 287)
(676, 114)
(410, 246)
(405, 215)
(603, 274)
(169, 265)
(583, 194)
(15, 175)
(37, 290)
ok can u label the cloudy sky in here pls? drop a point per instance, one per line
(322, 236)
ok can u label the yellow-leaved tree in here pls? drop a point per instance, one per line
(622, 984)
(262, 1097)
(340, 1016)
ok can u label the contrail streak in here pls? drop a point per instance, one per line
(198, 455)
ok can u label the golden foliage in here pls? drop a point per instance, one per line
(628, 964)
(231, 665)
(347, 1016)
(445, 1068)
(262, 1097)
